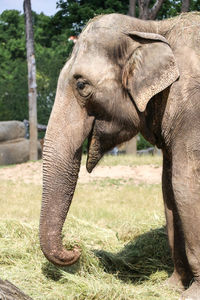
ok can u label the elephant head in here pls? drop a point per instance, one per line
(102, 94)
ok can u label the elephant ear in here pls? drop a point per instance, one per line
(150, 69)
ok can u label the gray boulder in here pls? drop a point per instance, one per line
(10, 130)
(15, 151)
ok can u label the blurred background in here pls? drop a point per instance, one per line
(57, 25)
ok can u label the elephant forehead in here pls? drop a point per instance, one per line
(96, 68)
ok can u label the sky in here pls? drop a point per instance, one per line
(48, 7)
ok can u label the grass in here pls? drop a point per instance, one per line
(128, 160)
(119, 227)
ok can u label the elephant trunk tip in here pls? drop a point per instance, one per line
(62, 257)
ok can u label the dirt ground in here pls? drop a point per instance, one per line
(31, 172)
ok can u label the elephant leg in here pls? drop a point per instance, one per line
(186, 188)
(181, 275)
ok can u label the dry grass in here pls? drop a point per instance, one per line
(128, 160)
(119, 227)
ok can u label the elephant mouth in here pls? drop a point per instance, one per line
(102, 138)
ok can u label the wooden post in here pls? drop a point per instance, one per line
(9, 291)
(32, 87)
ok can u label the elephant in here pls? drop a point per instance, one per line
(126, 76)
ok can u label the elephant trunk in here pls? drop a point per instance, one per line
(68, 127)
(58, 188)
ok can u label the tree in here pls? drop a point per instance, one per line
(146, 12)
(13, 71)
(51, 52)
(132, 8)
(74, 14)
(185, 5)
(160, 9)
(32, 95)
(52, 49)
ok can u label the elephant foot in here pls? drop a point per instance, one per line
(192, 293)
(174, 282)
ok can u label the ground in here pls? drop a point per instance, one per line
(31, 172)
(117, 219)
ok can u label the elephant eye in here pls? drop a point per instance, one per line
(83, 88)
(80, 85)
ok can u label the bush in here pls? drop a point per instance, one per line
(142, 143)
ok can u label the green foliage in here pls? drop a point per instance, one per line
(74, 14)
(51, 53)
(171, 8)
(142, 143)
(13, 71)
(52, 49)
(195, 5)
(49, 64)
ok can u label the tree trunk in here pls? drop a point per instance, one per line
(185, 5)
(32, 87)
(147, 13)
(143, 9)
(9, 291)
(155, 9)
(132, 6)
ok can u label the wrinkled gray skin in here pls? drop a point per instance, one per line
(127, 76)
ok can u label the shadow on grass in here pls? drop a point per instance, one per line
(140, 258)
(136, 262)
(55, 273)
